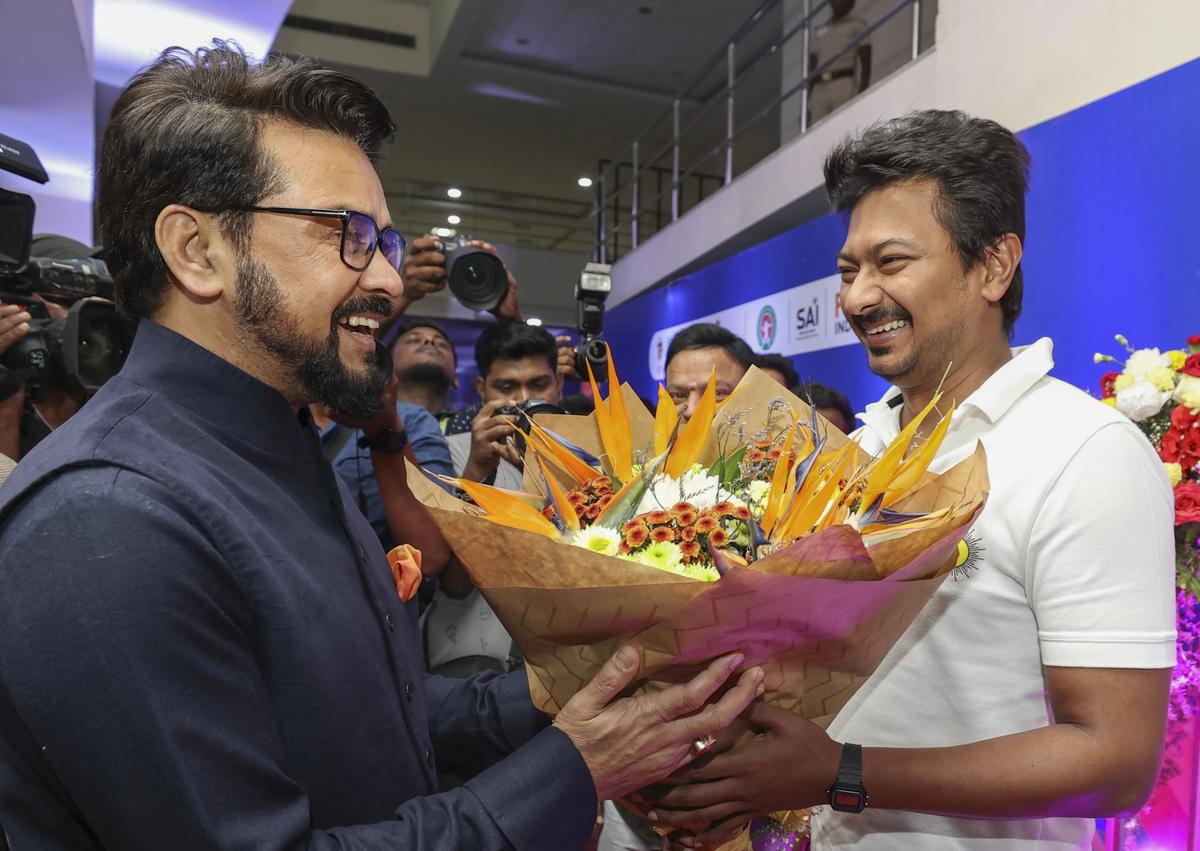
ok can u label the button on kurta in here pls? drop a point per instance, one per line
(408, 691)
(389, 620)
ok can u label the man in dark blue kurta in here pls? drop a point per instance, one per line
(201, 645)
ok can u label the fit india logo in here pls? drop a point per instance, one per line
(767, 326)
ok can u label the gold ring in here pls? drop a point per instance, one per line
(701, 745)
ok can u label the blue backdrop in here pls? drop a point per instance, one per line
(1112, 246)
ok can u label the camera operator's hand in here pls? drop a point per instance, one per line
(566, 359)
(424, 268)
(491, 440)
(14, 324)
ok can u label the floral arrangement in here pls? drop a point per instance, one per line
(1160, 392)
(758, 495)
(754, 526)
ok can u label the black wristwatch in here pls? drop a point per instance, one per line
(847, 794)
(387, 440)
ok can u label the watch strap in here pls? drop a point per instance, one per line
(847, 793)
(386, 440)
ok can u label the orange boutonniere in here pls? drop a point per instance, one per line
(405, 562)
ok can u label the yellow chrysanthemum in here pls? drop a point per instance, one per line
(1174, 473)
(663, 555)
(1163, 379)
(1122, 381)
(598, 539)
(1188, 392)
(1178, 357)
(1111, 401)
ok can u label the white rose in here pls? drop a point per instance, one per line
(1145, 361)
(1140, 400)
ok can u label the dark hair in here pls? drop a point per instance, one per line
(416, 322)
(186, 131)
(780, 364)
(820, 396)
(513, 340)
(981, 170)
(706, 335)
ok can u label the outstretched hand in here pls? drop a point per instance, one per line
(789, 765)
(632, 742)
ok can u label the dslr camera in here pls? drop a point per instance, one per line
(86, 348)
(524, 414)
(591, 290)
(477, 278)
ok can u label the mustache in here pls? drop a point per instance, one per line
(368, 304)
(878, 315)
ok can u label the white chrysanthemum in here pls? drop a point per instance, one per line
(1140, 400)
(1145, 361)
(758, 492)
(598, 539)
(1187, 393)
(695, 486)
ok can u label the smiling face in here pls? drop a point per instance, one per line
(904, 290)
(312, 318)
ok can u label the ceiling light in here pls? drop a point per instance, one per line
(533, 320)
(444, 232)
(454, 192)
(585, 182)
(453, 219)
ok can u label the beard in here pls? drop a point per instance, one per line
(315, 367)
(426, 373)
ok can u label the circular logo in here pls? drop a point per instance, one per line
(767, 326)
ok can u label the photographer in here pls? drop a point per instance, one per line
(424, 272)
(518, 363)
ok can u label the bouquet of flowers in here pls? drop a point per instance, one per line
(1160, 392)
(754, 526)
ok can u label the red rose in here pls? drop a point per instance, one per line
(1191, 366)
(1194, 342)
(1106, 384)
(1187, 503)
(1182, 418)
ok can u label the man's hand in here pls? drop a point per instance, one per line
(565, 368)
(491, 440)
(424, 268)
(14, 324)
(635, 741)
(789, 765)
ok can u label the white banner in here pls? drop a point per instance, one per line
(802, 319)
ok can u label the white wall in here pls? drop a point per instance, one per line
(1019, 62)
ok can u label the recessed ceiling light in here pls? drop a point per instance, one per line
(585, 182)
(453, 219)
(533, 320)
(444, 232)
(454, 192)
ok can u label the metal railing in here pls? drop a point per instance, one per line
(620, 197)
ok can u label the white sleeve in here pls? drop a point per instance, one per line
(1101, 558)
(460, 451)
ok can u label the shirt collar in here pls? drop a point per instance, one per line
(229, 400)
(1029, 364)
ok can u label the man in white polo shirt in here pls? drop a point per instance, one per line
(1029, 697)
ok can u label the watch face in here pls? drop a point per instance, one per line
(848, 800)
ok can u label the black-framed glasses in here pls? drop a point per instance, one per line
(360, 235)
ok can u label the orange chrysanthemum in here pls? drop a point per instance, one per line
(690, 550)
(604, 500)
(754, 455)
(723, 508)
(718, 537)
(705, 523)
(662, 534)
(774, 453)
(687, 516)
(687, 533)
(658, 518)
(741, 512)
(636, 536)
(635, 523)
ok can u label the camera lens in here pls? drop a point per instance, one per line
(101, 349)
(477, 278)
(594, 352)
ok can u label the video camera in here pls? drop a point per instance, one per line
(89, 345)
(593, 287)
